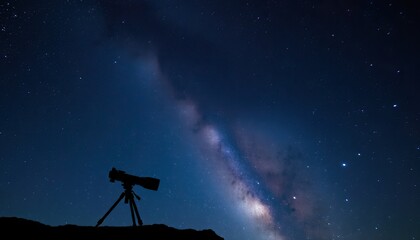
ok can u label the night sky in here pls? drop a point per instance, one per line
(281, 120)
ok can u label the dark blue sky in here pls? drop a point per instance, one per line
(263, 119)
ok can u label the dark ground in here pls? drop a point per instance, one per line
(18, 228)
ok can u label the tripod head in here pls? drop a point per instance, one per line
(129, 193)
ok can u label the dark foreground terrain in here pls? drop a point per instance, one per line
(18, 228)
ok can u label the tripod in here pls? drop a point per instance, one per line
(129, 195)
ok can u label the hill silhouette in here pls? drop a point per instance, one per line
(19, 228)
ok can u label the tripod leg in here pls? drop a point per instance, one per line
(137, 213)
(109, 211)
(132, 211)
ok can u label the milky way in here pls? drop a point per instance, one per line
(263, 178)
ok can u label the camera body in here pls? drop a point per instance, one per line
(146, 182)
